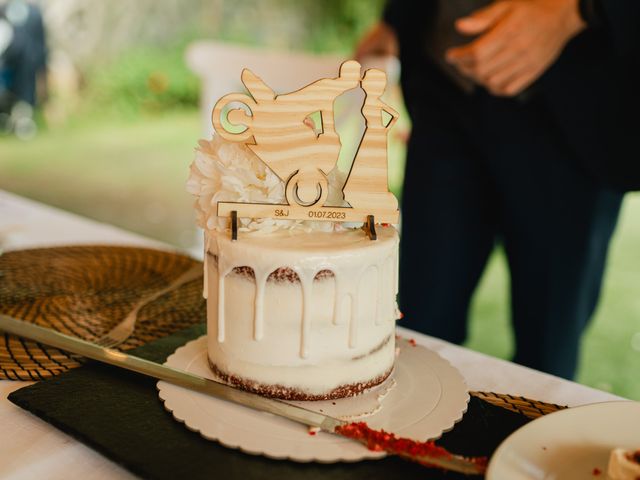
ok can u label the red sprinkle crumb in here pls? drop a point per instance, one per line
(401, 315)
(379, 440)
(312, 432)
(412, 342)
(596, 472)
(386, 224)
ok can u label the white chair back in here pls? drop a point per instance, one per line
(219, 66)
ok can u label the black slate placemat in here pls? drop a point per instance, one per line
(119, 414)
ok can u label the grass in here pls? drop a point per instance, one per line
(127, 172)
(610, 358)
(132, 172)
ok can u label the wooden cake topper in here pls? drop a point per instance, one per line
(294, 135)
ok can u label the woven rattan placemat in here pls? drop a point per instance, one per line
(522, 405)
(85, 291)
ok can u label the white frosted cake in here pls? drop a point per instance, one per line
(295, 309)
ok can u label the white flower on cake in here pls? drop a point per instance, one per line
(230, 171)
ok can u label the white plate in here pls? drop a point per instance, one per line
(422, 398)
(568, 444)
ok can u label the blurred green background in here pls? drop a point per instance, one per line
(117, 133)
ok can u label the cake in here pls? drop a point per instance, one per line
(624, 464)
(301, 299)
(295, 309)
(302, 315)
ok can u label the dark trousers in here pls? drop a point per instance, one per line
(497, 171)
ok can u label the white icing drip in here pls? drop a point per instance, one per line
(221, 305)
(390, 302)
(258, 309)
(380, 298)
(348, 255)
(337, 301)
(353, 280)
(306, 281)
(353, 322)
(205, 283)
(395, 313)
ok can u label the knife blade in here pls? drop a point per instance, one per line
(204, 385)
(168, 374)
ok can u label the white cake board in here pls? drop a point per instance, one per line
(422, 398)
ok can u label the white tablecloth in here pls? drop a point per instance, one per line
(32, 448)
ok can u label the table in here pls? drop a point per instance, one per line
(32, 448)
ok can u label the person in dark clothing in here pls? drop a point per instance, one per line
(23, 58)
(515, 109)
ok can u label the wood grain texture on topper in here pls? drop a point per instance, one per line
(294, 135)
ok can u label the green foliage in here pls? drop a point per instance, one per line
(152, 78)
(319, 26)
(142, 80)
(336, 25)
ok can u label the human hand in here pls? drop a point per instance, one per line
(380, 40)
(519, 40)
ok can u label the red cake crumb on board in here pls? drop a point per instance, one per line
(379, 441)
(412, 342)
(596, 472)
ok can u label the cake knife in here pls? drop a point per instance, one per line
(211, 387)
